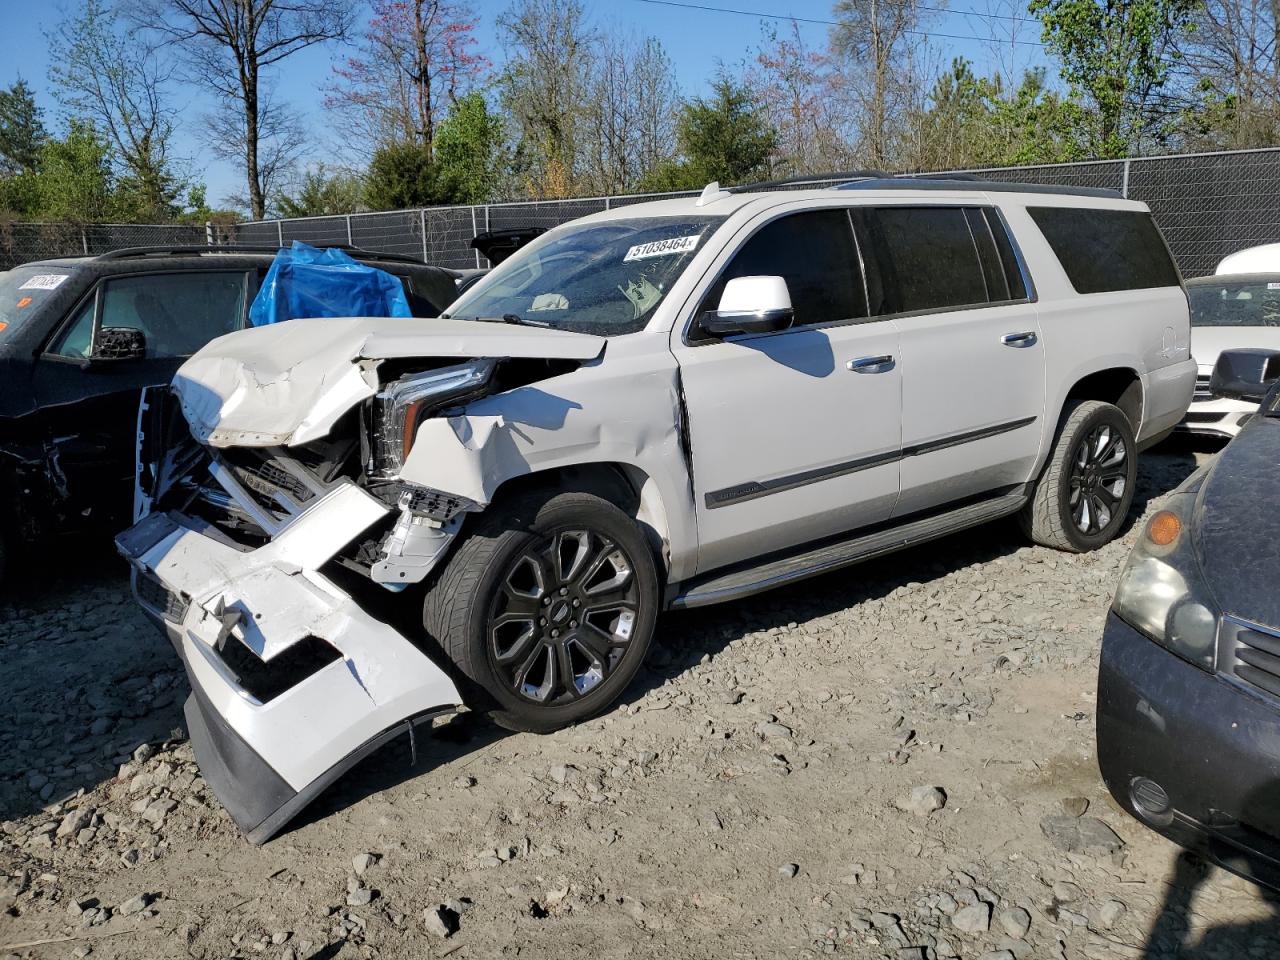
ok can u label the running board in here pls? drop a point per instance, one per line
(776, 572)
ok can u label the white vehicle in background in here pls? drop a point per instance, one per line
(348, 525)
(1239, 306)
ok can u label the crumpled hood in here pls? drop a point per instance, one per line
(1237, 534)
(288, 383)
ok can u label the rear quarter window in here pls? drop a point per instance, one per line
(1103, 251)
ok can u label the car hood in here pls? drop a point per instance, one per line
(288, 383)
(1208, 342)
(1238, 537)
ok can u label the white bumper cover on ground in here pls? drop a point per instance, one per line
(270, 599)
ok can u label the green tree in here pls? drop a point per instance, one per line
(22, 132)
(722, 137)
(1116, 55)
(401, 175)
(321, 193)
(102, 72)
(467, 148)
(74, 179)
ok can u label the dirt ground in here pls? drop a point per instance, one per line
(751, 797)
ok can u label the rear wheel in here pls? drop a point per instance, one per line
(548, 607)
(1083, 496)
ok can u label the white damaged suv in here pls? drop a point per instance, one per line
(347, 526)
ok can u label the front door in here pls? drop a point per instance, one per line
(794, 434)
(88, 406)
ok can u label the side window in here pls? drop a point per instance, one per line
(921, 258)
(1107, 250)
(1008, 259)
(814, 252)
(76, 340)
(178, 313)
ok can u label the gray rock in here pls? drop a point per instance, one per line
(440, 921)
(75, 821)
(789, 870)
(157, 810)
(363, 861)
(1075, 806)
(974, 919)
(280, 937)
(135, 904)
(359, 897)
(924, 800)
(1109, 913)
(1080, 834)
(1014, 921)
(565, 773)
(771, 728)
(82, 951)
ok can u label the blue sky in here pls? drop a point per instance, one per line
(695, 39)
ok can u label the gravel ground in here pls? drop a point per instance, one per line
(859, 765)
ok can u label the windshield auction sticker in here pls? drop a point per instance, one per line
(44, 281)
(662, 248)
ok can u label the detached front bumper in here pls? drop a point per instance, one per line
(293, 682)
(1189, 754)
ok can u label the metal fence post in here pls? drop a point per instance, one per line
(208, 233)
(1124, 184)
(84, 241)
(280, 232)
(350, 242)
(422, 221)
(474, 231)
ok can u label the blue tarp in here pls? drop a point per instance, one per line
(306, 282)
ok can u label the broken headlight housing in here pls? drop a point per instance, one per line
(1161, 592)
(402, 404)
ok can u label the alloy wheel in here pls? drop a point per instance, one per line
(563, 615)
(1099, 476)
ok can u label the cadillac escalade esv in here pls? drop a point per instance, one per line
(666, 405)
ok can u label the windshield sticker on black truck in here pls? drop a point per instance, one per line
(44, 281)
(661, 248)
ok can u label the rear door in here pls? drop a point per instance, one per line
(973, 364)
(88, 406)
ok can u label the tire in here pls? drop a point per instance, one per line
(1083, 496)
(508, 609)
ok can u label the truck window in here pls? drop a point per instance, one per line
(1107, 250)
(178, 313)
(814, 252)
(921, 258)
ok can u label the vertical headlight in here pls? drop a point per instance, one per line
(1161, 593)
(402, 404)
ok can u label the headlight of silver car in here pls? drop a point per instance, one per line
(402, 404)
(1161, 592)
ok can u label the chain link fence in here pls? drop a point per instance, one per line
(1208, 205)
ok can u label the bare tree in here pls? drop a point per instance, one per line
(413, 62)
(629, 122)
(281, 139)
(881, 48)
(226, 44)
(103, 74)
(801, 89)
(1229, 74)
(544, 89)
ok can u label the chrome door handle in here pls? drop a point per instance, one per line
(871, 364)
(1027, 338)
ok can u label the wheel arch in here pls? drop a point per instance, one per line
(1118, 385)
(629, 487)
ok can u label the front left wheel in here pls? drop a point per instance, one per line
(548, 607)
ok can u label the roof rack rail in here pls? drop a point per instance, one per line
(129, 253)
(808, 178)
(976, 186)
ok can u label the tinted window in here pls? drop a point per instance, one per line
(1235, 302)
(178, 313)
(76, 340)
(815, 254)
(926, 259)
(1106, 250)
(1009, 264)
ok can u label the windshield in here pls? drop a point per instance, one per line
(1224, 302)
(602, 278)
(24, 289)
